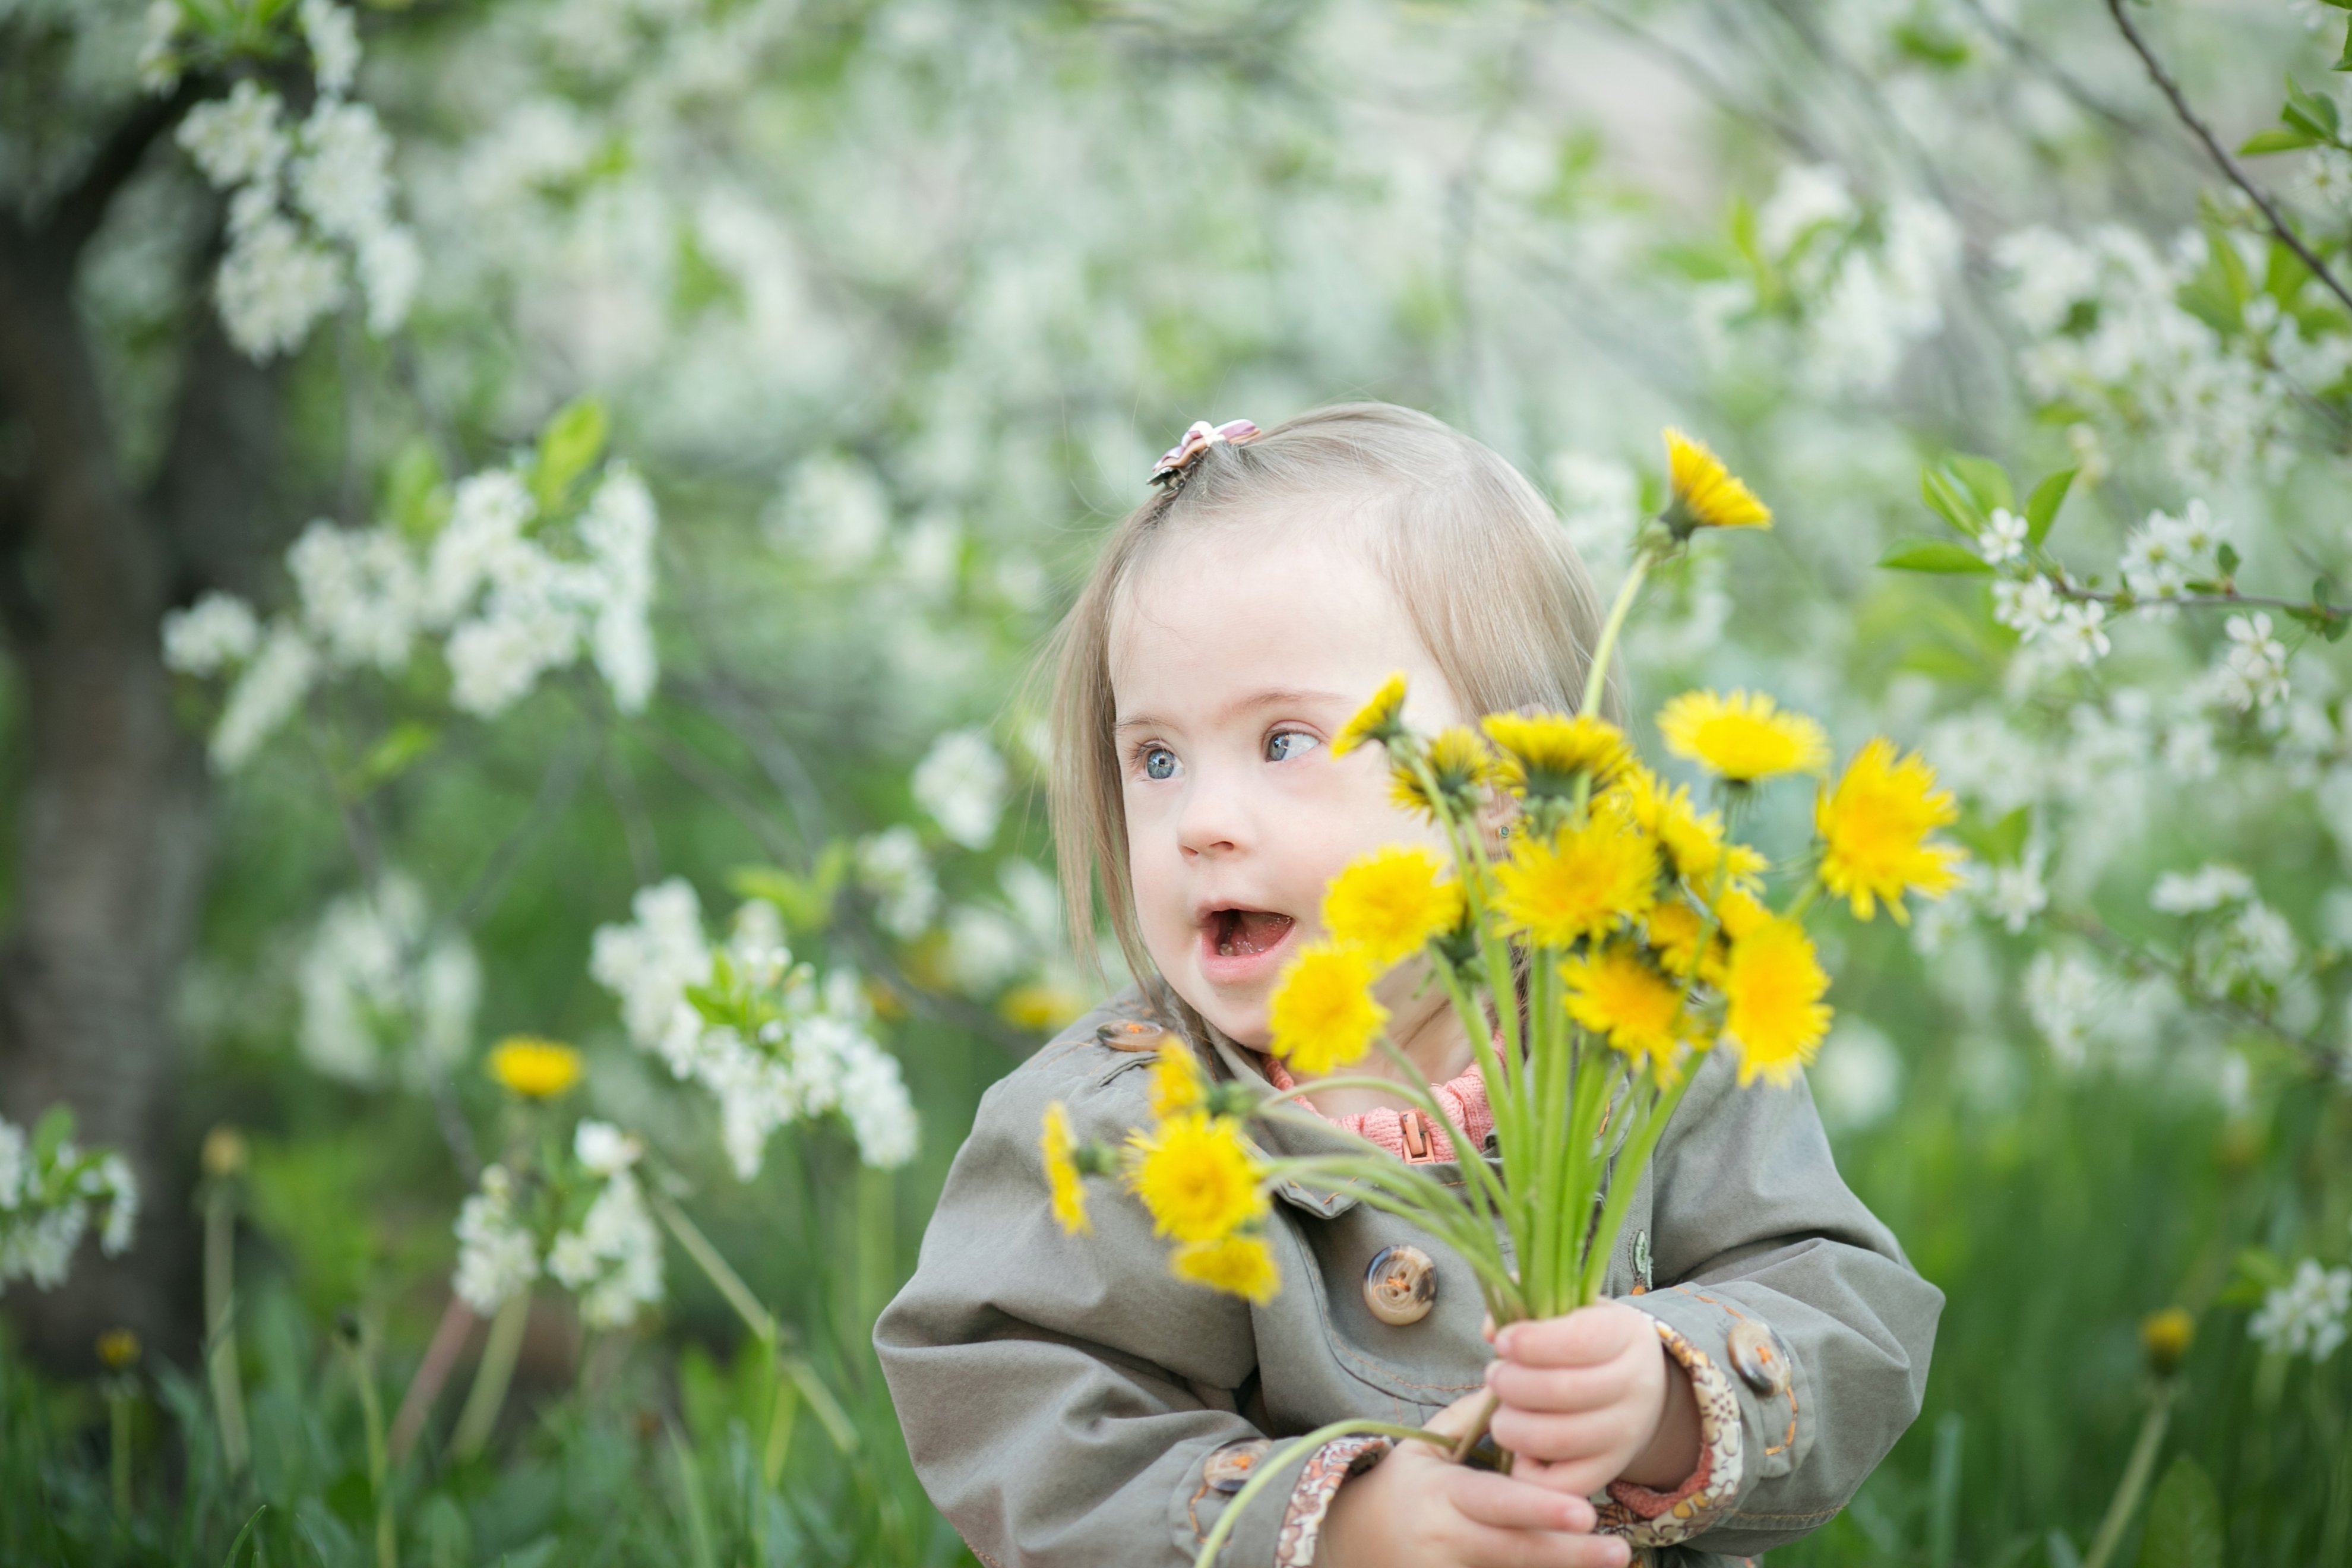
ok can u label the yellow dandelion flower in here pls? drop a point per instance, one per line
(1545, 754)
(1460, 766)
(1238, 1264)
(1196, 1176)
(1744, 737)
(1062, 1171)
(1381, 718)
(1176, 1083)
(2165, 1338)
(1691, 839)
(119, 1348)
(1704, 494)
(1673, 933)
(1772, 987)
(1874, 828)
(1322, 1015)
(1739, 911)
(1617, 996)
(1584, 881)
(1387, 905)
(533, 1068)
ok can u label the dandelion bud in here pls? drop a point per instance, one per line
(225, 1153)
(2164, 1339)
(119, 1350)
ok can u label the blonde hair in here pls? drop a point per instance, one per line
(1472, 553)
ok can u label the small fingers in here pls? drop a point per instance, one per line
(1585, 1337)
(1562, 1390)
(1482, 1546)
(1588, 1434)
(1506, 1502)
(1575, 1477)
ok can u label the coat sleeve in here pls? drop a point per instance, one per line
(1774, 1272)
(1059, 1393)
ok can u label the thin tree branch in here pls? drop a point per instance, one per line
(2222, 159)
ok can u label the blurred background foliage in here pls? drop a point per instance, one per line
(889, 307)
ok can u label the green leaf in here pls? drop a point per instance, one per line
(400, 748)
(1986, 480)
(2279, 139)
(1939, 555)
(52, 1132)
(2311, 111)
(2343, 60)
(417, 493)
(2184, 1520)
(2226, 557)
(573, 439)
(1951, 502)
(2255, 1274)
(2041, 506)
(804, 901)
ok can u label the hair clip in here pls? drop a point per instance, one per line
(1197, 440)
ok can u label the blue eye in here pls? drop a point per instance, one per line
(1283, 745)
(1158, 763)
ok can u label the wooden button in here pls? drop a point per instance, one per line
(1130, 1034)
(1400, 1286)
(1756, 1358)
(1228, 1469)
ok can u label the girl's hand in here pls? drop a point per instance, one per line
(1417, 1509)
(1593, 1397)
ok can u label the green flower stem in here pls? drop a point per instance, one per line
(361, 1358)
(1597, 1078)
(2137, 1471)
(118, 1432)
(1596, 679)
(491, 1376)
(220, 1326)
(1638, 1149)
(1424, 1099)
(1506, 1210)
(1275, 1461)
(1388, 1184)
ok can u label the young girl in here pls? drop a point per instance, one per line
(1066, 1400)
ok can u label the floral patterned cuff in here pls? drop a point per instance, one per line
(1646, 1517)
(1310, 1500)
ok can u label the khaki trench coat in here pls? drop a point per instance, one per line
(1060, 1394)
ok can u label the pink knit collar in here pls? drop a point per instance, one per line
(1407, 1135)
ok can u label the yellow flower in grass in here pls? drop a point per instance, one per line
(533, 1068)
(1772, 988)
(1743, 737)
(1322, 1015)
(1545, 754)
(1460, 766)
(1196, 1176)
(1176, 1083)
(1693, 839)
(1618, 995)
(1585, 880)
(1381, 718)
(1875, 826)
(1062, 1171)
(1739, 912)
(1704, 493)
(1387, 905)
(1238, 1264)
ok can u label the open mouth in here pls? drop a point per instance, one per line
(1240, 934)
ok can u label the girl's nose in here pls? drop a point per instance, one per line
(1215, 820)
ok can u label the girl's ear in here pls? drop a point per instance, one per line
(1498, 822)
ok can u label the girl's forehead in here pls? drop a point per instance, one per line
(1233, 607)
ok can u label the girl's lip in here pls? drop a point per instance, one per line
(1271, 942)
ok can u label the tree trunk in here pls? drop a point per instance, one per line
(110, 827)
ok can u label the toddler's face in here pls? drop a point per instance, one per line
(1235, 659)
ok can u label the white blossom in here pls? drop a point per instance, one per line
(2016, 894)
(237, 140)
(2003, 540)
(273, 285)
(2208, 888)
(159, 64)
(961, 782)
(342, 180)
(378, 1000)
(487, 515)
(334, 41)
(46, 1197)
(360, 593)
(496, 1255)
(2062, 994)
(2080, 632)
(2307, 1315)
(891, 866)
(216, 631)
(264, 696)
(618, 528)
(2029, 606)
(390, 267)
(2251, 672)
(649, 962)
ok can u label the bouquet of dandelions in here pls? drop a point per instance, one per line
(1595, 947)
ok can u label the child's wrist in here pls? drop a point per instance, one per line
(1670, 1456)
